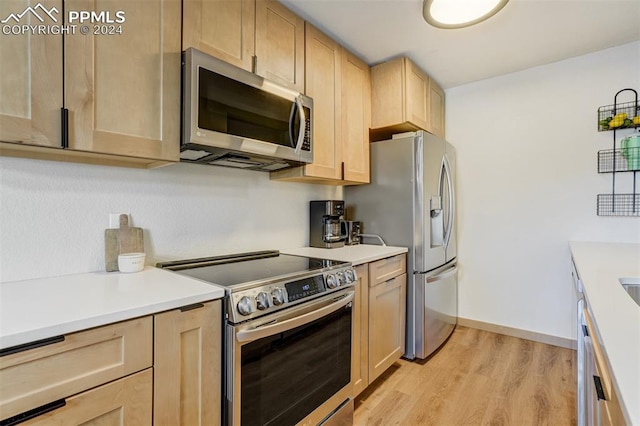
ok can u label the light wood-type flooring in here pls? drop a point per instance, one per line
(477, 378)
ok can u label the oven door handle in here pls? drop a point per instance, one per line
(279, 327)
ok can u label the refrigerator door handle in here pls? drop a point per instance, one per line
(444, 275)
(451, 212)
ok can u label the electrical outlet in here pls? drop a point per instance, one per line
(114, 220)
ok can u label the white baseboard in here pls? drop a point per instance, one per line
(516, 332)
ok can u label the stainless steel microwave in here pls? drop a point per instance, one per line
(234, 118)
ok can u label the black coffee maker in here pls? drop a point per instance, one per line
(327, 227)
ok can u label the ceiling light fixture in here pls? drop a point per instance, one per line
(460, 13)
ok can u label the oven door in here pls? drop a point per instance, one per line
(293, 367)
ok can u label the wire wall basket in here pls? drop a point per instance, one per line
(623, 157)
(619, 204)
(624, 115)
(619, 160)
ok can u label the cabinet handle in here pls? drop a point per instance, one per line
(64, 116)
(32, 414)
(254, 64)
(599, 390)
(31, 345)
(191, 307)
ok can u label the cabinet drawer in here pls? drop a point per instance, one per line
(385, 269)
(83, 360)
(126, 401)
(601, 362)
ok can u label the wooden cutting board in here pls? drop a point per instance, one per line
(125, 239)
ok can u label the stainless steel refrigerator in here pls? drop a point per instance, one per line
(411, 202)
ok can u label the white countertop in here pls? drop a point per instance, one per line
(37, 309)
(356, 254)
(616, 315)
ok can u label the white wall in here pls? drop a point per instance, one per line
(527, 182)
(53, 215)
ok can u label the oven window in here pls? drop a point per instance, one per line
(287, 376)
(229, 106)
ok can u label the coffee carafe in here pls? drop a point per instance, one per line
(327, 228)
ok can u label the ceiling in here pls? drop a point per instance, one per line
(525, 34)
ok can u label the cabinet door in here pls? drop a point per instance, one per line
(323, 84)
(436, 109)
(417, 94)
(30, 77)
(356, 113)
(388, 94)
(123, 90)
(126, 401)
(221, 28)
(187, 366)
(386, 324)
(360, 346)
(279, 44)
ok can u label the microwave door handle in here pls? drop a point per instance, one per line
(280, 327)
(303, 120)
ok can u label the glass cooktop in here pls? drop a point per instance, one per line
(232, 270)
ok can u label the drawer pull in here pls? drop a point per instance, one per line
(32, 414)
(32, 345)
(599, 390)
(191, 307)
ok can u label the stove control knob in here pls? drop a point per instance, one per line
(262, 300)
(348, 274)
(332, 281)
(341, 279)
(244, 306)
(278, 296)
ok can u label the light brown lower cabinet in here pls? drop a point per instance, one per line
(187, 365)
(77, 362)
(360, 344)
(379, 319)
(163, 369)
(386, 324)
(126, 401)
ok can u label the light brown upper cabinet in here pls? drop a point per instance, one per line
(123, 90)
(356, 118)
(221, 28)
(260, 36)
(402, 100)
(30, 82)
(279, 44)
(121, 87)
(436, 109)
(340, 85)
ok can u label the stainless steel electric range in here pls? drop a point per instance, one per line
(287, 336)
